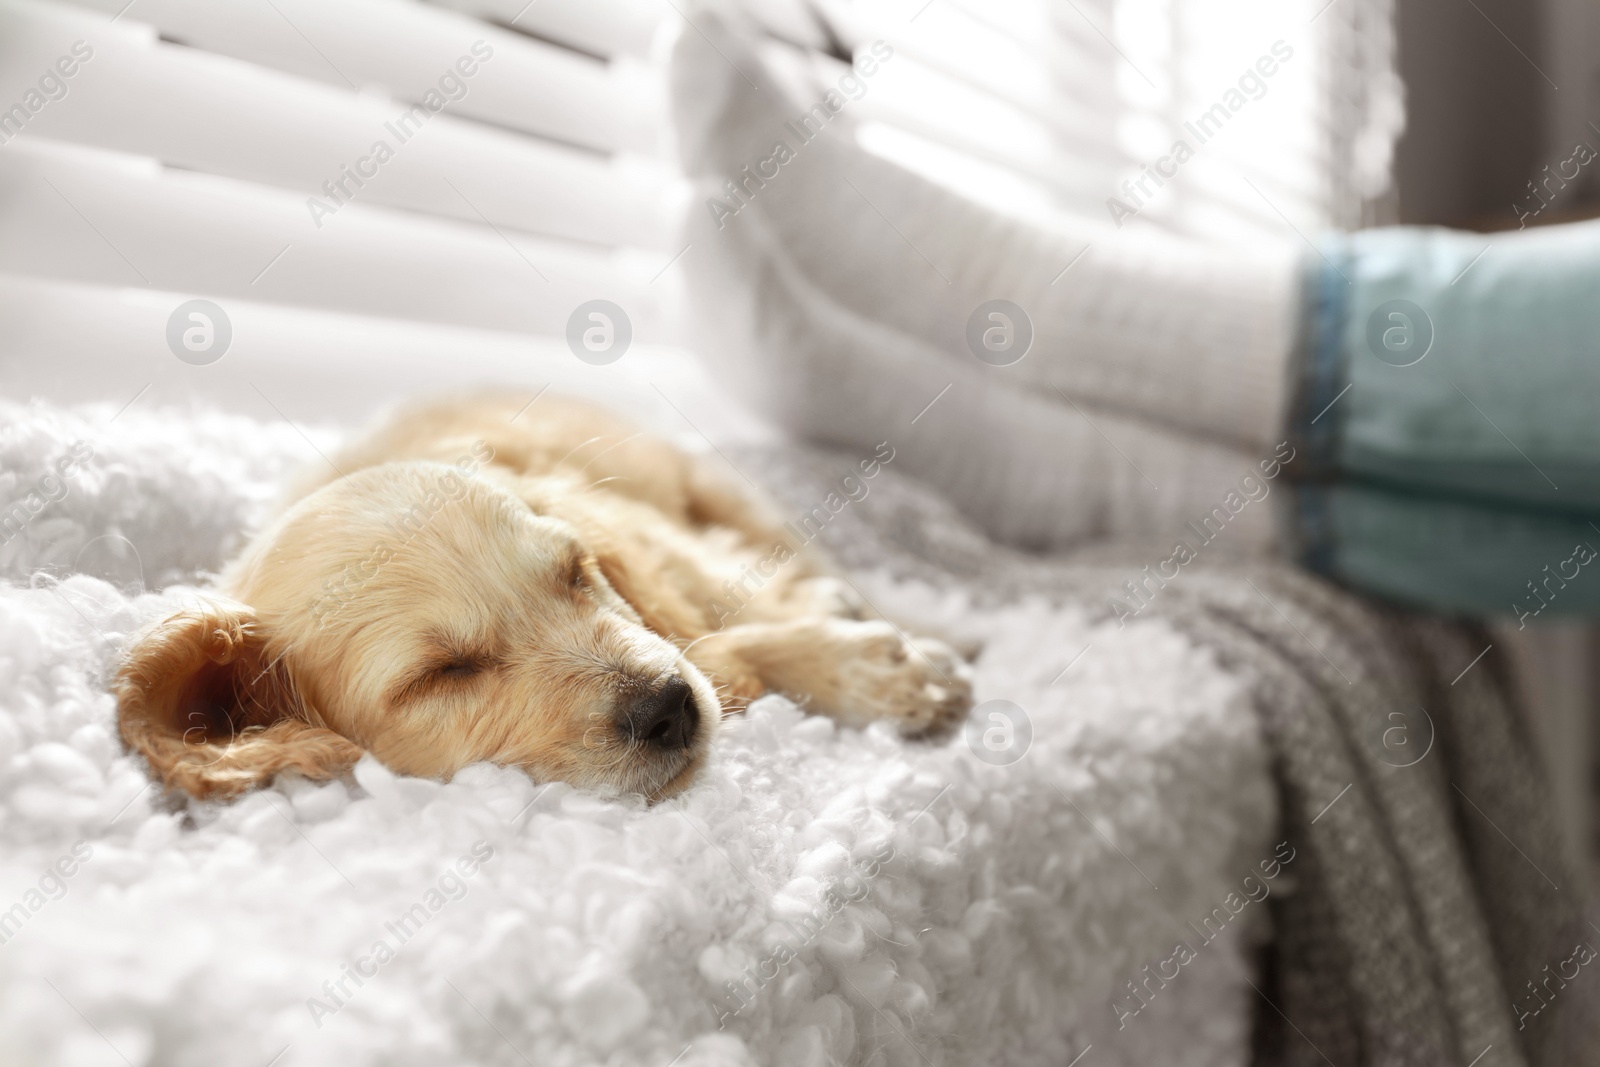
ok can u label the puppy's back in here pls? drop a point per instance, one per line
(555, 435)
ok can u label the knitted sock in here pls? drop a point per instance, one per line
(1191, 339)
(1034, 472)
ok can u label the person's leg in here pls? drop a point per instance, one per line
(1446, 555)
(1460, 364)
(1447, 419)
(1032, 472)
(1436, 372)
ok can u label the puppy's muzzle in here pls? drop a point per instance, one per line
(663, 717)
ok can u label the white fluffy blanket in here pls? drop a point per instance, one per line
(881, 901)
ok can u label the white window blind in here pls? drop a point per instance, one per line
(227, 150)
(186, 156)
(1057, 108)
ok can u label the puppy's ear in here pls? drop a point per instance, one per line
(198, 697)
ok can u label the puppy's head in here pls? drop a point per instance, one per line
(432, 619)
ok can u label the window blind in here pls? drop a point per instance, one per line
(356, 182)
(228, 150)
(1220, 121)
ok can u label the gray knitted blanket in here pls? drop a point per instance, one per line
(1433, 920)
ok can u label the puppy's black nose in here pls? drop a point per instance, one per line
(665, 717)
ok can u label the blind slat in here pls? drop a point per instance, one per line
(89, 216)
(313, 365)
(608, 28)
(219, 116)
(405, 48)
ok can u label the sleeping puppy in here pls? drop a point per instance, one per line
(548, 590)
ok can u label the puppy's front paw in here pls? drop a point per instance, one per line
(919, 682)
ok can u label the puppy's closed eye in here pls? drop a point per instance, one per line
(441, 675)
(458, 668)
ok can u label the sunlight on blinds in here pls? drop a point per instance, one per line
(1221, 121)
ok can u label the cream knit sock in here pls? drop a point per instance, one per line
(1033, 472)
(1189, 339)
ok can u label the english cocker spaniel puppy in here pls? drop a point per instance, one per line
(547, 589)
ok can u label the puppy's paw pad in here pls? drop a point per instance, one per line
(920, 682)
(946, 691)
